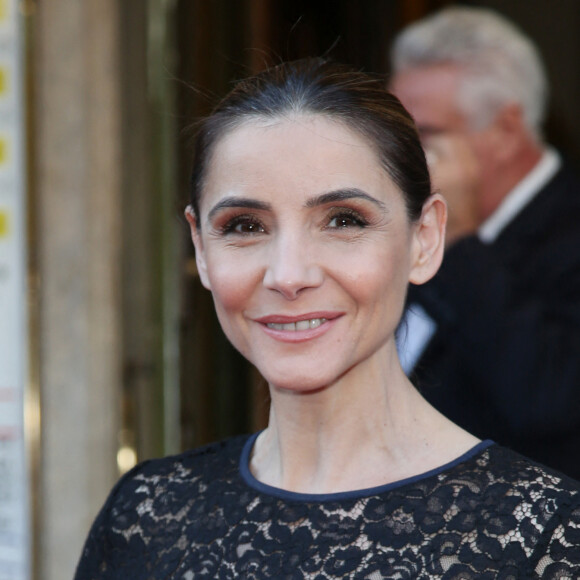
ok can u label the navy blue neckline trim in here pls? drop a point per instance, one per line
(343, 495)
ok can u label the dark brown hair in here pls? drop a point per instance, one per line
(320, 87)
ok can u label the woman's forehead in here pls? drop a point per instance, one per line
(266, 139)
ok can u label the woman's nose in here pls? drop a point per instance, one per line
(292, 267)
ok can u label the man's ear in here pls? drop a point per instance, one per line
(428, 243)
(508, 131)
(199, 250)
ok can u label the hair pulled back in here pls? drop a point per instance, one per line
(316, 86)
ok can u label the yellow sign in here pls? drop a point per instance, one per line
(3, 223)
(3, 79)
(3, 149)
(3, 10)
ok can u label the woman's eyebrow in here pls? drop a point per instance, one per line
(241, 202)
(343, 195)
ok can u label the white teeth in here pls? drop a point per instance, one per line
(294, 326)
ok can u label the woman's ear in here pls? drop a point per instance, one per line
(199, 250)
(428, 242)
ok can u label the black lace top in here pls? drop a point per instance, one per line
(489, 514)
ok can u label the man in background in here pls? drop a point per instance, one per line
(494, 340)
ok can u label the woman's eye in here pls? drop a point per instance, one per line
(243, 226)
(346, 220)
(248, 228)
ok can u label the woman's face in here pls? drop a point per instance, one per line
(307, 249)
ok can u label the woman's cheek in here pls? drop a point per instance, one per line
(232, 285)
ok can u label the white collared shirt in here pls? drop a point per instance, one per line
(520, 196)
(417, 327)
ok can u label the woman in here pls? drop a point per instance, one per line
(311, 212)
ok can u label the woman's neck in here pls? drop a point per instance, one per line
(353, 435)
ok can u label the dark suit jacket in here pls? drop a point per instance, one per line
(505, 360)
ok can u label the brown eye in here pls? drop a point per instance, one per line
(248, 228)
(345, 220)
(243, 225)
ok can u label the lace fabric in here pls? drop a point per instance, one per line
(494, 514)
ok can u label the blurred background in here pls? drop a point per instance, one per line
(117, 353)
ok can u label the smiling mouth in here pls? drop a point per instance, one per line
(295, 326)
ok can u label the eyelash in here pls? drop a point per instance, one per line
(230, 226)
(350, 215)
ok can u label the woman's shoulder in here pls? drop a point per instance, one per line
(507, 466)
(187, 474)
(158, 494)
(509, 482)
(214, 458)
(546, 506)
(219, 452)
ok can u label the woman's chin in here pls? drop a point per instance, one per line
(298, 388)
(305, 383)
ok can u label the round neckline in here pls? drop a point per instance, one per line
(280, 493)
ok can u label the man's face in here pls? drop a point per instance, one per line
(430, 94)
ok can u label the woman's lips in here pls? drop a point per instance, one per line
(300, 325)
(298, 328)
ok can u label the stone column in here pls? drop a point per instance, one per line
(78, 175)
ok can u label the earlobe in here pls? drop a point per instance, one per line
(199, 249)
(428, 240)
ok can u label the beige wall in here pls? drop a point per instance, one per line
(105, 252)
(78, 197)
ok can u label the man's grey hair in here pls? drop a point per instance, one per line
(501, 65)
